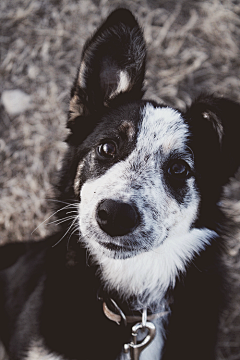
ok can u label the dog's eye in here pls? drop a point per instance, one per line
(179, 169)
(107, 150)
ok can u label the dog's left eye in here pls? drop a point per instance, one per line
(107, 150)
(179, 169)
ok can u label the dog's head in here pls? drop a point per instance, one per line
(147, 177)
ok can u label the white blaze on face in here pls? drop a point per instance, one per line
(164, 234)
(162, 128)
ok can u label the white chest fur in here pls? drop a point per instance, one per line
(39, 352)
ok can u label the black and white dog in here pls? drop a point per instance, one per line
(139, 193)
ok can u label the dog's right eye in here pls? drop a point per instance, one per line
(179, 169)
(107, 150)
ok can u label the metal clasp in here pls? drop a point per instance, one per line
(135, 348)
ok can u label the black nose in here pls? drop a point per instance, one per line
(116, 218)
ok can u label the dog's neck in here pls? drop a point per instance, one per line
(133, 305)
(130, 304)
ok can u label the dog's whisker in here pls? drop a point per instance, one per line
(75, 229)
(56, 212)
(70, 227)
(60, 221)
(73, 211)
(70, 202)
(88, 256)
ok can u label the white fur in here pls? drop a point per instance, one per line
(161, 128)
(3, 355)
(123, 84)
(81, 75)
(149, 274)
(170, 244)
(154, 350)
(39, 352)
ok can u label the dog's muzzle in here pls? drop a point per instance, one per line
(116, 218)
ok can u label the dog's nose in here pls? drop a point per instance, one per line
(116, 218)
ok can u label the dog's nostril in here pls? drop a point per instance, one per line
(103, 215)
(116, 218)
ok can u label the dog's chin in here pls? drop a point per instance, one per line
(116, 251)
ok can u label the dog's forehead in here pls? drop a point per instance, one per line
(162, 127)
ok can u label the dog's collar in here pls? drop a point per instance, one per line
(129, 319)
(141, 323)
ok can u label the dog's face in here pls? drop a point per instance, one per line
(147, 177)
(140, 187)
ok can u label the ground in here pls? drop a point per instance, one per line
(193, 47)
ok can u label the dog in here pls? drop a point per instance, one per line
(136, 270)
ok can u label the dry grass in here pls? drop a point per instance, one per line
(193, 47)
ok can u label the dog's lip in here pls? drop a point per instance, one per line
(116, 248)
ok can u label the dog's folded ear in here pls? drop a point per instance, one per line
(112, 67)
(215, 125)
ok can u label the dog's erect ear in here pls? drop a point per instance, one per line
(112, 67)
(215, 124)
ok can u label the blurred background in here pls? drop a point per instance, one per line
(193, 48)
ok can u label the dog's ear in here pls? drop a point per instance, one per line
(215, 128)
(112, 67)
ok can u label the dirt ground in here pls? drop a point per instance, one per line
(193, 47)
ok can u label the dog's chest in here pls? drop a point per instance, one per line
(38, 352)
(153, 351)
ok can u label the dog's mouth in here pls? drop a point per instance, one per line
(120, 251)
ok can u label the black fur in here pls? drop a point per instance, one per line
(51, 292)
